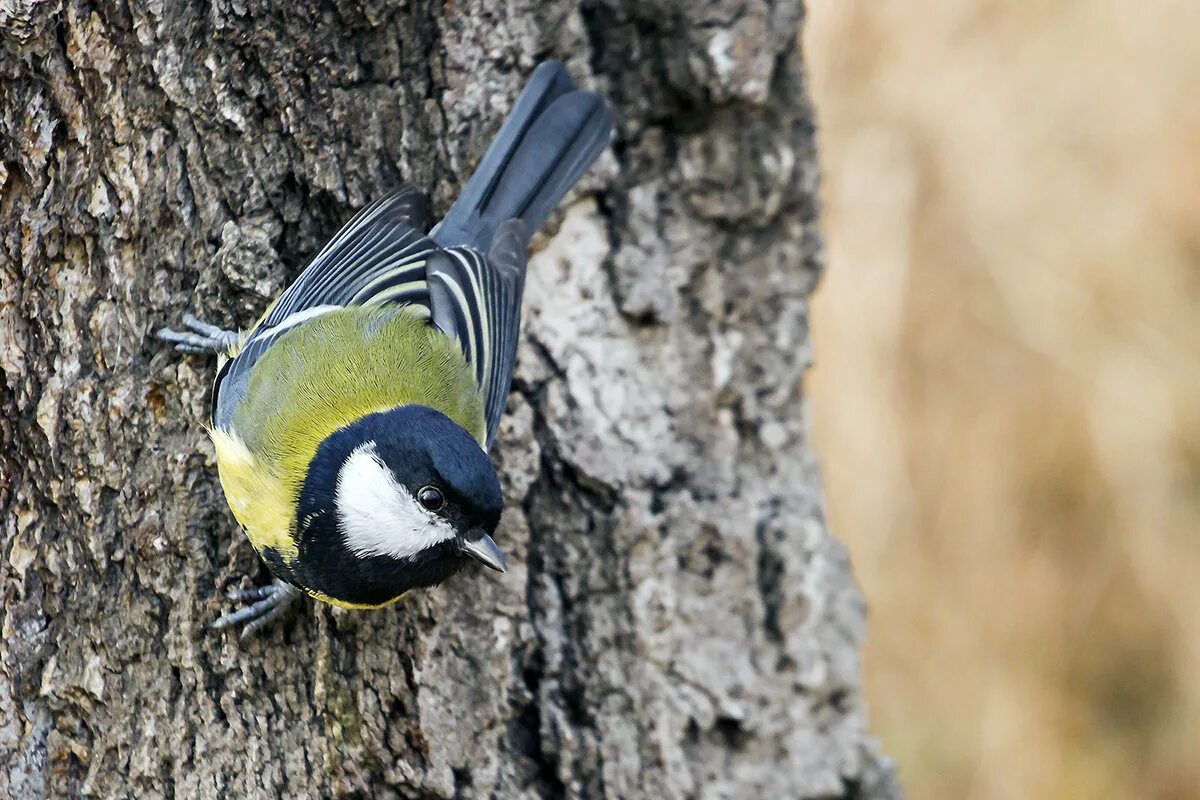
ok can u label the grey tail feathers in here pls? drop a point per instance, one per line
(552, 135)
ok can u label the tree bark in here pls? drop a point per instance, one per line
(676, 623)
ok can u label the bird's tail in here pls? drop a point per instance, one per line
(552, 135)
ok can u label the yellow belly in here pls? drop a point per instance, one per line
(333, 601)
(256, 496)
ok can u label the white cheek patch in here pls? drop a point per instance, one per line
(378, 516)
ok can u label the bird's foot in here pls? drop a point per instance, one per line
(264, 605)
(200, 338)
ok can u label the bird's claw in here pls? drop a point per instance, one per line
(200, 338)
(264, 604)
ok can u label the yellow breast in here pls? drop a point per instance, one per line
(257, 497)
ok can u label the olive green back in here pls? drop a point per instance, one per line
(340, 366)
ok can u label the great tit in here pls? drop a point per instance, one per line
(351, 424)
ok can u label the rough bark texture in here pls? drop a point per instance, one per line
(677, 622)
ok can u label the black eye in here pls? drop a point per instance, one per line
(431, 498)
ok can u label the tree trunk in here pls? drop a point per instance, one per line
(676, 621)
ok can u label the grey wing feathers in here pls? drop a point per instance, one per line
(379, 256)
(477, 301)
(380, 251)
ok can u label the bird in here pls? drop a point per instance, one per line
(352, 423)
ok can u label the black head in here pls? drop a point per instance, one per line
(397, 500)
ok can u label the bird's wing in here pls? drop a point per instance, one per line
(476, 299)
(378, 257)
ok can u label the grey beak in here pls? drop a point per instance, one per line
(484, 550)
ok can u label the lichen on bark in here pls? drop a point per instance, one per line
(677, 621)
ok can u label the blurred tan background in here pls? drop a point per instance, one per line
(1007, 391)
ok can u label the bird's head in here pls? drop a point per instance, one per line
(397, 500)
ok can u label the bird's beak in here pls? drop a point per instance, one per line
(481, 548)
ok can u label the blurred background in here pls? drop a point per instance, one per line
(1007, 391)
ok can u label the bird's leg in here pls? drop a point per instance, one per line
(200, 338)
(264, 604)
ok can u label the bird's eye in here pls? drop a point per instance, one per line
(431, 497)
